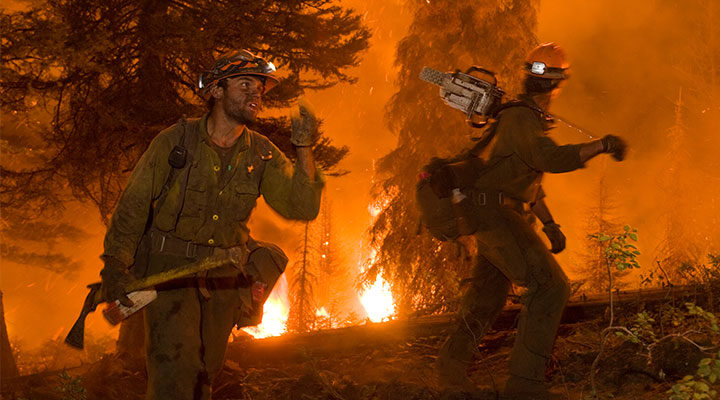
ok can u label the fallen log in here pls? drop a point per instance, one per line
(297, 347)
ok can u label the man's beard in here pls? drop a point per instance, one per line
(240, 114)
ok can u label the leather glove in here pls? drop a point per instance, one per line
(556, 237)
(304, 124)
(614, 145)
(115, 277)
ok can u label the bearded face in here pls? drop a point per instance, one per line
(242, 98)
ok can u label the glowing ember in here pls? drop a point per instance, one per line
(275, 313)
(378, 301)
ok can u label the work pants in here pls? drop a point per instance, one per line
(187, 333)
(510, 251)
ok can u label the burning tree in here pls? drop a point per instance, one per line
(316, 306)
(444, 35)
(336, 292)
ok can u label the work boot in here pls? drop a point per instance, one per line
(452, 363)
(452, 374)
(519, 388)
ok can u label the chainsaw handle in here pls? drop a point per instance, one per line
(475, 68)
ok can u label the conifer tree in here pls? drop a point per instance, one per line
(444, 35)
(676, 246)
(301, 316)
(600, 221)
(91, 83)
(337, 289)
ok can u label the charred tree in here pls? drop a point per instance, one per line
(444, 35)
(301, 316)
(8, 366)
(337, 290)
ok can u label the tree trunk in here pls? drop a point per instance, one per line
(8, 366)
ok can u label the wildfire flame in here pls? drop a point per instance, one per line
(378, 301)
(275, 313)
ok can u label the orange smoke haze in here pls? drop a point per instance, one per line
(623, 81)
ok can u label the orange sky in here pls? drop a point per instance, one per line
(613, 61)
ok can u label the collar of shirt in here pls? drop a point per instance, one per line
(243, 140)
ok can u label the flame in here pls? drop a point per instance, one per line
(322, 312)
(275, 313)
(378, 301)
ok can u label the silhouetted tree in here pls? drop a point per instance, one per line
(599, 221)
(94, 82)
(301, 316)
(8, 366)
(676, 247)
(444, 35)
(335, 294)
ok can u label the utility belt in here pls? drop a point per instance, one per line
(497, 199)
(164, 243)
(262, 264)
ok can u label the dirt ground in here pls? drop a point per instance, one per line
(393, 361)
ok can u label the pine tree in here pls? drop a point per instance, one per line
(335, 294)
(444, 35)
(600, 221)
(8, 365)
(676, 246)
(301, 316)
(91, 83)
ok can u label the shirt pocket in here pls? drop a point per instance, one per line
(195, 198)
(244, 200)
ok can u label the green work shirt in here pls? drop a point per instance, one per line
(217, 201)
(521, 152)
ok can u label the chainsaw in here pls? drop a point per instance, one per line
(474, 95)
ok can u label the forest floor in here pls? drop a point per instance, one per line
(395, 360)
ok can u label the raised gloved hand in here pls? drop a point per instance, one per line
(304, 124)
(556, 237)
(115, 277)
(614, 145)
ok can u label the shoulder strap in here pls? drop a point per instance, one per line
(492, 130)
(193, 139)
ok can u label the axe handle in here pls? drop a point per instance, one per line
(76, 335)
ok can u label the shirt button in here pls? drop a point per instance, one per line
(216, 168)
(216, 217)
(210, 241)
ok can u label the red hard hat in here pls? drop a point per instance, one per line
(547, 61)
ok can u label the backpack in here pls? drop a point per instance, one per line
(445, 190)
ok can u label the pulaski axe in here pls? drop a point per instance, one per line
(140, 293)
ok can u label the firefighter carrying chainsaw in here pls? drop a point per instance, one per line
(489, 192)
(195, 188)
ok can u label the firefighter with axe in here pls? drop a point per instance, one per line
(181, 223)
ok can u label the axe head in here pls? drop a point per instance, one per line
(116, 312)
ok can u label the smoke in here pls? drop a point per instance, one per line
(630, 61)
(641, 70)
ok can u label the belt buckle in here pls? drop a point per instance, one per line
(482, 200)
(190, 250)
(162, 244)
